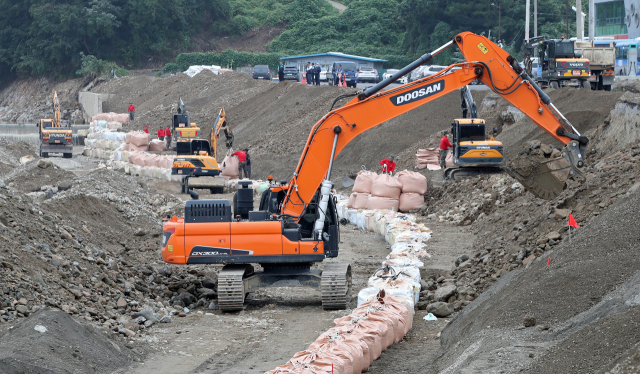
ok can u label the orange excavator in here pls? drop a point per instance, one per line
(296, 224)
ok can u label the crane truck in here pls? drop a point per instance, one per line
(296, 224)
(53, 137)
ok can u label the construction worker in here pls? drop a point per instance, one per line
(388, 165)
(167, 137)
(316, 74)
(146, 129)
(132, 110)
(444, 146)
(338, 75)
(281, 72)
(248, 169)
(161, 134)
(242, 162)
(309, 72)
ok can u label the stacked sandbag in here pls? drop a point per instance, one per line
(385, 193)
(137, 141)
(414, 186)
(430, 158)
(229, 167)
(111, 117)
(361, 189)
(157, 145)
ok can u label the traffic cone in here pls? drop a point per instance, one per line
(342, 81)
(304, 79)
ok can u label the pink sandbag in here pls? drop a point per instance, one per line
(362, 360)
(167, 162)
(363, 181)
(410, 201)
(412, 182)
(332, 344)
(127, 138)
(140, 139)
(376, 202)
(135, 148)
(386, 186)
(157, 145)
(358, 200)
(321, 362)
(122, 117)
(229, 167)
(133, 156)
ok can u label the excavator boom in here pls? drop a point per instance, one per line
(220, 124)
(486, 62)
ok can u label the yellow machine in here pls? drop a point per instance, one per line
(197, 157)
(473, 153)
(54, 138)
(183, 130)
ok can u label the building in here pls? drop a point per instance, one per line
(327, 59)
(618, 18)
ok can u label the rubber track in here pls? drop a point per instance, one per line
(336, 285)
(231, 287)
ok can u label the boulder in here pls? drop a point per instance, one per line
(440, 309)
(445, 292)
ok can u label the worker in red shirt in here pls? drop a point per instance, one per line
(161, 134)
(146, 129)
(388, 166)
(242, 162)
(132, 110)
(167, 137)
(444, 146)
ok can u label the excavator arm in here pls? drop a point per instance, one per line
(220, 124)
(56, 110)
(485, 61)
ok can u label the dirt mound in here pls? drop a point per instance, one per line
(65, 347)
(585, 110)
(595, 277)
(31, 177)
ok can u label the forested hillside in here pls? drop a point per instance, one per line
(39, 37)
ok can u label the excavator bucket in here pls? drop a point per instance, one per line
(546, 179)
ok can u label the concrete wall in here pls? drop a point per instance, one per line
(92, 103)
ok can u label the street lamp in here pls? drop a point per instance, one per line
(499, 14)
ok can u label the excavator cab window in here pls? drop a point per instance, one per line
(180, 120)
(472, 132)
(47, 125)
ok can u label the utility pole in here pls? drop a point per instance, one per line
(535, 18)
(592, 20)
(566, 35)
(579, 20)
(526, 22)
(499, 16)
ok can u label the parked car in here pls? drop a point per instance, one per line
(349, 69)
(387, 74)
(416, 73)
(324, 75)
(291, 73)
(261, 72)
(430, 70)
(367, 74)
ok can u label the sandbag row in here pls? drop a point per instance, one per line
(430, 158)
(112, 125)
(111, 117)
(385, 308)
(356, 340)
(404, 192)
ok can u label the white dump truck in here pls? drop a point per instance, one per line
(602, 63)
